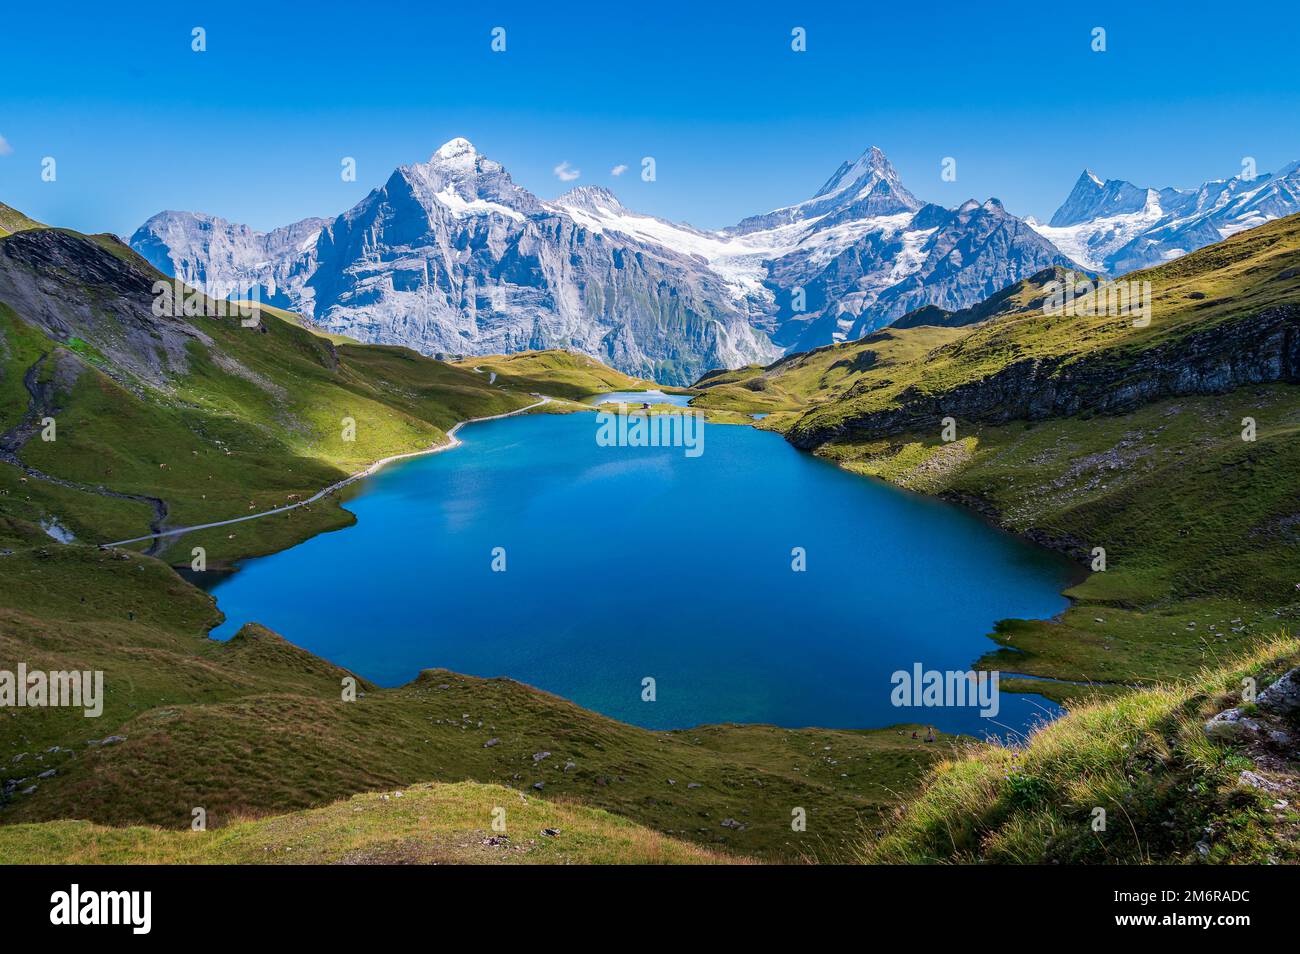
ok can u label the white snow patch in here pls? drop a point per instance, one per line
(462, 207)
(1090, 243)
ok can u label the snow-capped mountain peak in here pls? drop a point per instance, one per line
(455, 149)
(460, 178)
(451, 255)
(867, 187)
(871, 165)
(1093, 198)
(1115, 226)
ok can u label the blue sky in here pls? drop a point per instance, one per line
(255, 128)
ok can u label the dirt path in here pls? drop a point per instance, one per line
(452, 441)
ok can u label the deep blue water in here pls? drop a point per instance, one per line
(623, 563)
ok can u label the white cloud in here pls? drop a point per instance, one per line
(5, 148)
(566, 173)
(618, 170)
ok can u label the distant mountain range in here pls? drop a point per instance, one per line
(451, 256)
(1115, 227)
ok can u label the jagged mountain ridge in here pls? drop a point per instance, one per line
(1114, 227)
(862, 252)
(451, 255)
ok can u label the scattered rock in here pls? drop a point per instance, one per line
(550, 832)
(1255, 780)
(490, 742)
(570, 766)
(539, 785)
(1232, 725)
(1283, 697)
(733, 824)
(538, 756)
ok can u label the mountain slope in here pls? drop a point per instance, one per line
(1167, 793)
(562, 374)
(452, 256)
(11, 220)
(861, 252)
(441, 823)
(1115, 227)
(1220, 318)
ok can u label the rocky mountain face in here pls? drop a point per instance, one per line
(859, 254)
(452, 256)
(44, 276)
(946, 258)
(227, 259)
(1215, 360)
(1114, 227)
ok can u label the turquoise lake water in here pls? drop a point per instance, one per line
(624, 563)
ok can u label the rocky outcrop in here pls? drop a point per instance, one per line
(1270, 724)
(74, 289)
(1282, 698)
(1257, 349)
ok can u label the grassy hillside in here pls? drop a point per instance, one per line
(824, 375)
(296, 319)
(1170, 794)
(421, 824)
(256, 726)
(11, 220)
(563, 374)
(1023, 297)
